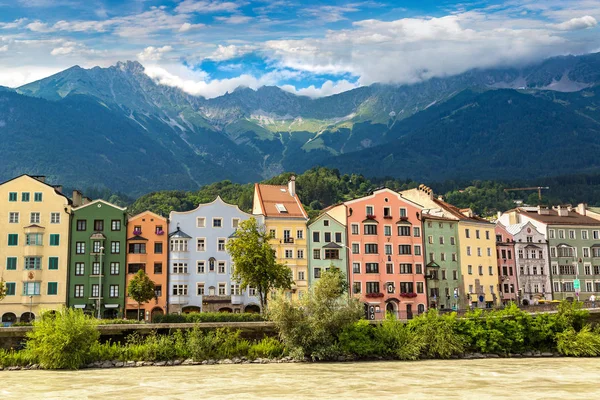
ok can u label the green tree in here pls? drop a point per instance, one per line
(254, 261)
(2, 289)
(141, 289)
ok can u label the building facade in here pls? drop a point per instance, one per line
(200, 266)
(327, 245)
(147, 249)
(574, 247)
(97, 266)
(386, 254)
(34, 247)
(508, 284)
(285, 219)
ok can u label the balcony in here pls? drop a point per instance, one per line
(237, 299)
(178, 299)
(216, 299)
(288, 240)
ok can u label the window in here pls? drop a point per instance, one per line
(489, 251)
(33, 239)
(420, 287)
(417, 250)
(452, 242)
(200, 289)
(158, 247)
(355, 229)
(134, 268)
(33, 263)
(37, 196)
(316, 237)
(476, 233)
(403, 213)
(299, 234)
(180, 290)
(201, 244)
(251, 291)
(24, 196)
(372, 268)
(332, 254)
(455, 275)
(55, 218)
(588, 269)
(430, 239)
(11, 263)
(371, 248)
(403, 230)
(78, 291)
(281, 208)
(81, 224)
(470, 269)
(418, 269)
(468, 250)
(180, 268)
(115, 225)
(272, 233)
(480, 270)
(80, 248)
(96, 246)
(115, 268)
(387, 230)
(388, 249)
(389, 268)
(406, 268)
(338, 237)
(327, 237)
(479, 251)
(98, 225)
(300, 254)
(95, 268)
(34, 218)
(490, 270)
(201, 222)
(417, 231)
(561, 234)
(586, 252)
(235, 289)
(571, 234)
(53, 263)
(356, 287)
(387, 212)
(316, 254)
(235, 223)
(31, 288)
(11, 288)
(13, 218)
(79, 269)
(372, 287)
(441, 240)
(200, 267)
(12, 196)
(289, 253)
(404, 249)
(565, 252)
(596, 235)
(221, 245)
(217, 222)
(406, 287)
(54, 239)
(158, 291)
(356, 268)
(370, 229)
(113, 291)
(442, 256)
(454, 257)
(369, 210)
(355, 248)
(325, 222)
(115, 247)
(221, 267)
(317, 272)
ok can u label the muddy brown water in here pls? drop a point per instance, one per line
(537, 378)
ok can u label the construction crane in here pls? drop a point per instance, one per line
(538, 188)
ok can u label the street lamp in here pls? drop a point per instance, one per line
(30, 307)
(100, 281)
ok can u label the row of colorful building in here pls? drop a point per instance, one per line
(401, 252)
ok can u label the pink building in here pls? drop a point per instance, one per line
(507, 269)
(386, 254)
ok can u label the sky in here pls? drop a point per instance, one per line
(308, 47)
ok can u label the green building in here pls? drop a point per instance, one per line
(97, 258)
(442, 255)
(326, 246)
(574, 244)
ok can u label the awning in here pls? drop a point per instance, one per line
(79, 306)
(111, 306)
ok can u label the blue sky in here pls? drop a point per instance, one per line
(315, 48)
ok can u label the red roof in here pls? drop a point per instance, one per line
(277, 202)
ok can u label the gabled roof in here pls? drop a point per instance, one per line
(271, 196)
(179, 234)
(551, 217)
(148, 212)
(386, 190)
(332, 245)
(458, 213)
(41, 183)
(217, 200)
(103, 202)
(137, 237)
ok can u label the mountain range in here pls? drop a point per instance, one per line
(116, 127)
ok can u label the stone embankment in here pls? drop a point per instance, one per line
(283, 360)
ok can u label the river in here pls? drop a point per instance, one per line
(533, 378)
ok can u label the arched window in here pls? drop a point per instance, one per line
(421, 308)
(211, 264)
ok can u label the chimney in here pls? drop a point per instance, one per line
(40, 178)
(58, 188)
(86, 200)
(441, 198)
(499, 214)
(77, 198)
(292, 185)
(581, 209)
(561, 211)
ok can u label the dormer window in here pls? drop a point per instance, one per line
(281, 208)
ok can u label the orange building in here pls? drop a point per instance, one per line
(147, 249)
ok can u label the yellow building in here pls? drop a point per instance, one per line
(478, 262)
(34, 247)
(286, 219)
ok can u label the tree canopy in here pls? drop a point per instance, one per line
(141, 289)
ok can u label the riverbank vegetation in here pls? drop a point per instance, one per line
(324, 325)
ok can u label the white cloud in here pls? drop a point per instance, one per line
(577, 23)
(328, 88)
(18, 76)
(234, 19)
(3, 48)
(185, 27)
(58, 51)
(206, 7)
(330, 13)
(38, 26)
(17, 23)
(223, 53)
(152, 53)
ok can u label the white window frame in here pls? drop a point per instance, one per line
(54, 218)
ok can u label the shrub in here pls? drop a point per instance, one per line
(208, 317)
(396, 339)
(106, 352)
(12, 358)
(437, 334)
(359, 339)
(220, 343)
(269, 347)
(584, 343)
(62, 340)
